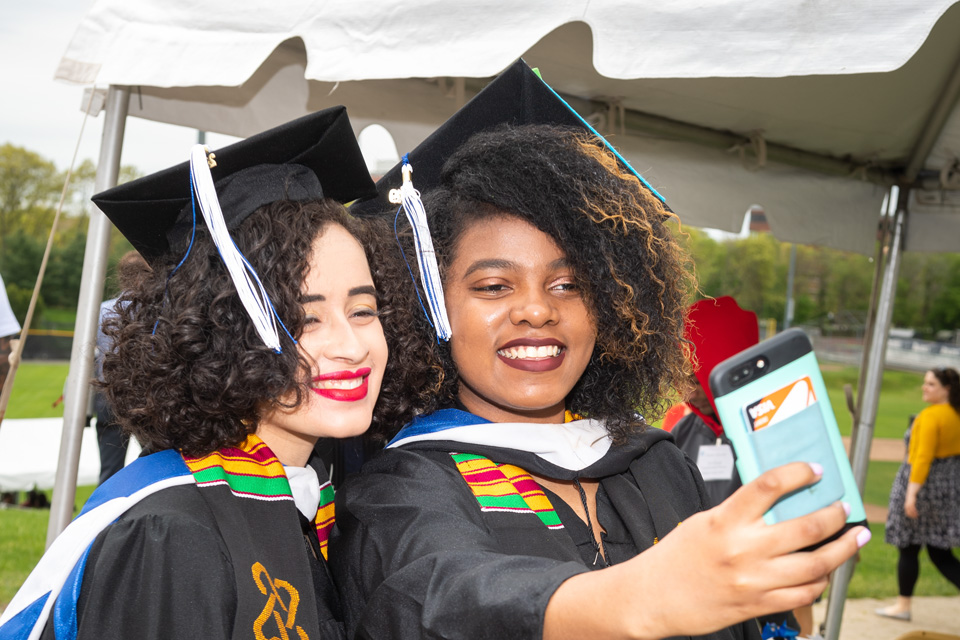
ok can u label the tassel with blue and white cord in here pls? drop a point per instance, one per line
(251, 291)
(409, 197)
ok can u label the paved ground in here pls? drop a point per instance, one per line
(940, 614)
(883, 449)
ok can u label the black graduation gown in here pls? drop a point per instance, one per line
(167, 568)
(415, 557)
(691, 433)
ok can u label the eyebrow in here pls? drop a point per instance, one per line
(362, 290)
(497, 263)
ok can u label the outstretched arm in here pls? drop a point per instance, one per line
(737, 565)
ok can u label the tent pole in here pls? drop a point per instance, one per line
(88, 312)
(871, 395)
(887, 214)
(788, 311)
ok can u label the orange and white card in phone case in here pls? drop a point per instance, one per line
(780, 404)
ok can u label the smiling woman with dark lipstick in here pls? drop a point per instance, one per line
(530, 501)
(501, 342)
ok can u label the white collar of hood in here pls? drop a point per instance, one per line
(305, 487)
(572, 445)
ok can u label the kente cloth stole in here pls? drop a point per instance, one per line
(505, 488)
(252, 471)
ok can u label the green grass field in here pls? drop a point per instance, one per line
(876, 573)
(35, 389)
(899, 398)
(879, 481)
(22, 532)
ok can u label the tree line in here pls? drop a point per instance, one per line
(831, 288)
(30, 189)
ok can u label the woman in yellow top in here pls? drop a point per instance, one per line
(925, 499)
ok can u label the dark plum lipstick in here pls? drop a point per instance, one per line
(516, 354)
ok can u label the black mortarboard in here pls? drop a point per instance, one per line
(517, 96)
(308, 158)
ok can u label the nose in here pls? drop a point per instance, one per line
(343, 343)
(535, 307)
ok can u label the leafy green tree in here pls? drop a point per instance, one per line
(944, 308)
(20, 261)
(28, 190)
(61, 283)
(20, 302)
(753, 274)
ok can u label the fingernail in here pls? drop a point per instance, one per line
(817, 469)
(846, 507)
(863, 537)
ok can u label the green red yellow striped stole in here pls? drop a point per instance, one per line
(505, 488)
(253, 471)
(325, 517)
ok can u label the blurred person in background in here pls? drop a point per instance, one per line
(925, 498)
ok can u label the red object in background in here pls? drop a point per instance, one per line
(674, 415)
(719, 329)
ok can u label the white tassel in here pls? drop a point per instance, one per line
(426, 257)
(252, 294)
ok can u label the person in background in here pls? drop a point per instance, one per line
(111, 440)
(9, 327)
(716, 329)
(925, 498)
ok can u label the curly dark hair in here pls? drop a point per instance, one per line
(188, 370)
(633, 274)
(949, 378)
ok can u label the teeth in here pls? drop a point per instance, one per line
(526, 353)
(349, 383)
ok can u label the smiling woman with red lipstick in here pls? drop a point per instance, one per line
(261, 329)
(530, 501)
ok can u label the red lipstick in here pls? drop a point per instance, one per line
(344, 395)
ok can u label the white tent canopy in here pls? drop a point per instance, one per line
(843, 88)
(810, 108)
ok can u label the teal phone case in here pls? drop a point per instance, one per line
(811, 435)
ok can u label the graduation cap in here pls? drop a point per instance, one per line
(517, 96)
(313, 157)
(308, 158)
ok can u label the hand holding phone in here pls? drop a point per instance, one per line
(774, 408)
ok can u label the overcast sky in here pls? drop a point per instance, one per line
(45, 116)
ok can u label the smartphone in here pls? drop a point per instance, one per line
(774, 408)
